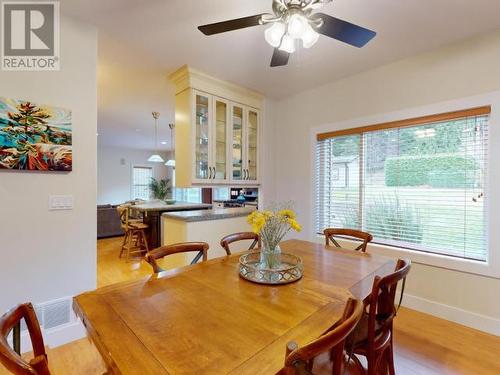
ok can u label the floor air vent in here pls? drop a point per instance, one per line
(53, 314)
(56, 313)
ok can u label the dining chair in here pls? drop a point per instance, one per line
(303, 360)
(241, 236)
(331, 233)
(134, 241)
(373, 337)
(183, 247)
(11, 358)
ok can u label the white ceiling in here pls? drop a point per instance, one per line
(142, 41)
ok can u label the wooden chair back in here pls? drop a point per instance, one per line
(12, 360)
(123, 211)
(333, 341)
(184, 247)
(241, 236)
(330, 234)
(382, 308)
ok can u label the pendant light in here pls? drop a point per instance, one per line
(171, 162)
(156, 158)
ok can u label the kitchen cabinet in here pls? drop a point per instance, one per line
(244, 145)
(217, 131)
(210, 119)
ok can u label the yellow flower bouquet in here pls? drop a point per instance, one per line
(272, 226)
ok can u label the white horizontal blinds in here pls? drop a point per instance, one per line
(337, 184)
(190, 195)
(422, 187)
(141, 178)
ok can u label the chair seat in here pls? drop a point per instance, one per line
(137, 225)
(358, 338)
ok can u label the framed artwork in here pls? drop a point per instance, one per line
(34, 137)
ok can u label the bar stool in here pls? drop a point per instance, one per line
(134, 241)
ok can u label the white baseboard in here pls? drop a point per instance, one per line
(467, 318)
(56, 336)
(63, 334)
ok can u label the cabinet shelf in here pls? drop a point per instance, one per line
(217, 134)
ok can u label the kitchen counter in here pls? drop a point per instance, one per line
(177, 206)
(208, 226)
(207, 215)
(152, 211)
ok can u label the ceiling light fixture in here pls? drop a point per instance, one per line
(171, 162)
(294, 25)
(294, 20)
(156, 158)
(274, 34)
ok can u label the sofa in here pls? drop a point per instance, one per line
(108, 221)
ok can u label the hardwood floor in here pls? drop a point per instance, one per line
(428, 345)
(424, 345)
(111, 269)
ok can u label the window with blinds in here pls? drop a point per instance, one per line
(190, 195)
(141, 178)
(417, 184)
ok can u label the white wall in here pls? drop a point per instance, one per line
(51, 254)
(457, 71)
(267, 190)
(114, 172)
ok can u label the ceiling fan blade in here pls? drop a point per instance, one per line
(344, 31)
(222, 27)
(280, 58)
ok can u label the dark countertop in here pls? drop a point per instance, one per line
(162, 206)
(206, 215)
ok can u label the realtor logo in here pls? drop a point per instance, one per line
(30, 35)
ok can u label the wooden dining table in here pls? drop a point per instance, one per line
(205, 319)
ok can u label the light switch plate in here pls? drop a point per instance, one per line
(61, 202)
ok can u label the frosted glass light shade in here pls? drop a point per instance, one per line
(170, 163)
(274, 34)
(287, 44)
(309, 37)
(156, 159)
(297, 25)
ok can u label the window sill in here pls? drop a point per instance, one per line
(435, 260)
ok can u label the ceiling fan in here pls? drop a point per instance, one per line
(295, 20)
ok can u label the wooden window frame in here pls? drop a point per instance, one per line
(477, 111)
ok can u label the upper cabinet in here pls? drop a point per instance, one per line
(217, 131)
(202, 132)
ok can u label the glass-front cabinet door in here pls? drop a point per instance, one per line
(237, 145)
(220, 154)
(202, 136)
(252, 144)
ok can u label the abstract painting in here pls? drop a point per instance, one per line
(34, 137)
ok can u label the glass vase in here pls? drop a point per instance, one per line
(270, 257)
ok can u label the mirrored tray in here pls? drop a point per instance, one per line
(290, 269)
